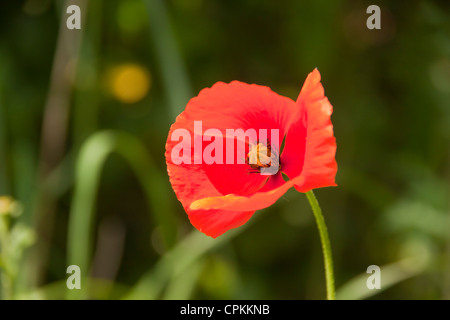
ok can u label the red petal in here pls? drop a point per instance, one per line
(189, 181)
(233, 202)
(213, 223)
(310, 146)
(240, 105)
(233, 178)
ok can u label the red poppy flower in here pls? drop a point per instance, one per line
(220, 196)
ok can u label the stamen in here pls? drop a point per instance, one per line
(261, 156)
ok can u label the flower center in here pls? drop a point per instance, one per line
(261, 156)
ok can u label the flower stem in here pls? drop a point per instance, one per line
(325, 240)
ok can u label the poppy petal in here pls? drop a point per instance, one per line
(257, 201)
(233, 178)
(310, 145)
(240, 105)
(213, 223)
(216, 215)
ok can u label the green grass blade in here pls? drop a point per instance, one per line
(91, 160)
(173, 71)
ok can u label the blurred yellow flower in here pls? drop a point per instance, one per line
(7, 205)
(130, 83)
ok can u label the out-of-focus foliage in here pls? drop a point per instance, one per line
(84, 116)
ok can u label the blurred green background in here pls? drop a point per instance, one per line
(84, 116)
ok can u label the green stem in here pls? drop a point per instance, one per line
(325, 240)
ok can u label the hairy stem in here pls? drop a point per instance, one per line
(325, 240)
